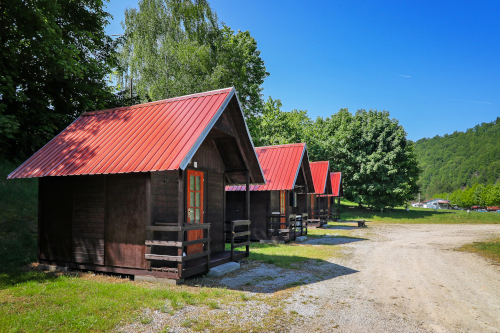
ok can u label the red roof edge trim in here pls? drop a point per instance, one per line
(300, 164)
(206, 130)
(173, 99)
(300, 144)
(251, 140)
(326, 178)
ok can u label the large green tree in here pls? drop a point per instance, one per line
(54, 63)
(378, 163)
(179, 47)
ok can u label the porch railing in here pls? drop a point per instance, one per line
(238, 234)
(288, 227)
(180, 244)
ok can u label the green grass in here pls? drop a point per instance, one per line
(291, 255)
(35, 301)
(321, 232)
(351, 211)
(489, 249)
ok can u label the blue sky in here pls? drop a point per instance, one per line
(434, 65)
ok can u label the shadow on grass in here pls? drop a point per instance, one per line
(14, 277)
(342, 227)
(275, 267)
(394, 213)
(331, 240)
(263, 276)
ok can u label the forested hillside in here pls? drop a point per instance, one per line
(460, 159)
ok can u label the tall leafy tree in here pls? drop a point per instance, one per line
(372, 151)
(54, 63)
(178, 47)
(275, 126)
(378, 162)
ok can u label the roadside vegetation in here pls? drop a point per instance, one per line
(489, 249)
(351, 211)
(18, 219)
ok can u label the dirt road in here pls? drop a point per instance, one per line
(406, 278)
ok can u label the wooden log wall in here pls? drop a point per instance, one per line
(127, 215)
(89, 207)
(55, 218)
(214, 210)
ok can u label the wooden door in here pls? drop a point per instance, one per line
(194, 208)
(312, 205)
(282, 209)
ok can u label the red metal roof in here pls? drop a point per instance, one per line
(336, 178)
(320, 172)
(162, 135)
(280, 164)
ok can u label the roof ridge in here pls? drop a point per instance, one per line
(162, 101)
(283, 145)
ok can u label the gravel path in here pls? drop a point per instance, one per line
(409, 279)
(390, 278)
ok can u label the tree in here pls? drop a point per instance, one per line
(179, 47)
(274, 126)
(378, 162)
(54, 63)
(460, 160)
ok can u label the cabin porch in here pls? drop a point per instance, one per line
(169, 256)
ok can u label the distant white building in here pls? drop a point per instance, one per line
(417, 204)
(437, 204)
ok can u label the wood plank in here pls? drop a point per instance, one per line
(187, 272)
(176, 258)
(177, 244)
(163, 257)
(111, 269)
(240, 222)
(177, 228)
(242, 244)
(196, 255)
(243, 233)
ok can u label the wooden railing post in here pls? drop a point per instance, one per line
(232, 241)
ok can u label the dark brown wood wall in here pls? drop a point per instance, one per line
(301, 204)
(235, 205)
(89, 213)
(165, 188)
(259, 209)
(275, 201)
(214, 210)
(127, 215)
(207, 157)
(55, 217)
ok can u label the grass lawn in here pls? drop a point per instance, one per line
(40, 302)
(489, 249)
(351, 211)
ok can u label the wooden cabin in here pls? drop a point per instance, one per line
(139, 190)
(337, 192)
(277, 205)
(319, 202)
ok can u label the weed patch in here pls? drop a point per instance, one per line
(489, 249)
